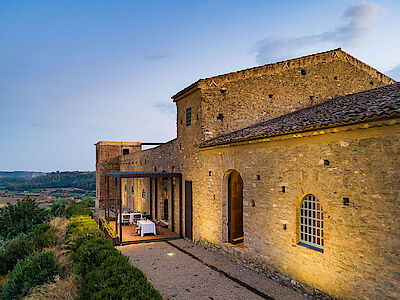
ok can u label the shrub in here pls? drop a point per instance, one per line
(21, 217)
(42, 236)
(81, 229)
(116, 278)
(91, 254)
(89, 202)
(57, 209)
(107, 227)
(77, 209)
(32, 271)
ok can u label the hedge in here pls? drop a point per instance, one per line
(42, 236)
(105, 273)
(78, 209)
(30, 272)
(81, 229)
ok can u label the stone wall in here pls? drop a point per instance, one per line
(360, 258)
(107, 160)
(161, 158)
(234, 101)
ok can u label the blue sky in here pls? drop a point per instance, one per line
(76, 72)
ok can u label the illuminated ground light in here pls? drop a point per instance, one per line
(171, 254)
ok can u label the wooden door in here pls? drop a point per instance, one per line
(235, 209)
(188, 210)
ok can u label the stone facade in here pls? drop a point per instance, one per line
(360, 258)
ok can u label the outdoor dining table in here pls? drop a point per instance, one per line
(146, 226)
(131, 216)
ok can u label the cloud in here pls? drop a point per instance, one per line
(394, 73)
(156, 56)
(165, 108)
(354, 31)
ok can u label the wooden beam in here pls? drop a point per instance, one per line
(120, 212)
(116, 206)
(180, 206)
(172, 206)
(151, 198)
(155, 199)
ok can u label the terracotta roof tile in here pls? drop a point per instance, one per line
(350, 109)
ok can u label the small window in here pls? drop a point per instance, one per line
(125, 151)
(188, 116)
(311, 223)
(133, 190)
(144, 194)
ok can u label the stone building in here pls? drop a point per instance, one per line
(293, 167)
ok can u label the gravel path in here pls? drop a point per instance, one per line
(193, 272)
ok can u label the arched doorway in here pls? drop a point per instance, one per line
(235, 208)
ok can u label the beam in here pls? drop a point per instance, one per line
(151, 198)
(155, 199)
(172, 206)
(180, 206)
(120, 211)
(116, 206)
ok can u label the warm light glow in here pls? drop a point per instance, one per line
(171, 254)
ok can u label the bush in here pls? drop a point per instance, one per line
(57, 209)
(81, 229)
(116, 278)
(89, 202)
(21, 217)
(77, 209)
(30, 272)
(91, 254)
(42, 236)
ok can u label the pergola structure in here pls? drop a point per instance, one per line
(153, 176)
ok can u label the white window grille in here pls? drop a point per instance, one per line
(311, 223)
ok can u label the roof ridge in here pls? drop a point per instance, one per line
(302, 60)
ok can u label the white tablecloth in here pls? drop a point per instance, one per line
(146, 226)
(131, 216)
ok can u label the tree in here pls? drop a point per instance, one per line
(21, 217)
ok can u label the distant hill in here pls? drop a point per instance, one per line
(21, 174)
(82, 180)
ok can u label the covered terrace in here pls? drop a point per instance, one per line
(134, 227)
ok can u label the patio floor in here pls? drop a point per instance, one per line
(128, 234)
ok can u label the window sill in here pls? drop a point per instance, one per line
(311, 247)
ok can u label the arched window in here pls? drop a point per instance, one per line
(311, 223)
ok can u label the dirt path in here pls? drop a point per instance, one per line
(182, 270)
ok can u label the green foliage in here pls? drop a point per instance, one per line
(92, 254)
(57, 209)
(107, 227)
(82, 180)
(42, 236)
(81, 229)
(116, 278)
(105, 273)
(30, 272)
(88, 201)
(77, 209)
(21, 217)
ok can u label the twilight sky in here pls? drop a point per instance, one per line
(76, 72)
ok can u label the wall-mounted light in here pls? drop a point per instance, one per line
(209, 173)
